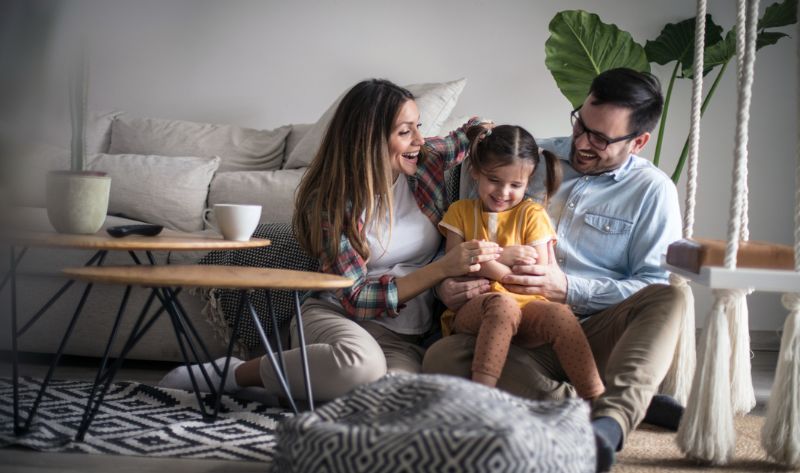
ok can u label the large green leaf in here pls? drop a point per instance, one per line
(779, 14)
(676, 43)
(581, 46)
(715, 55)
(767, 38)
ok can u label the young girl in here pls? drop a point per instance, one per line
(502, 160)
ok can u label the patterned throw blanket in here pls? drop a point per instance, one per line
(284, 252)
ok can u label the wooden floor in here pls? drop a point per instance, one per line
(19, 460)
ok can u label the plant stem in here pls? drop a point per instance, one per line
(663, 123)
(676, 175)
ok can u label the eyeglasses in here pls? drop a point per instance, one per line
(596, 139)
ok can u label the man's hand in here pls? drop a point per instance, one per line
(455, 292)
(546, 280)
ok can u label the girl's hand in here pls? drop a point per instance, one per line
(518, 254)
(467, 257)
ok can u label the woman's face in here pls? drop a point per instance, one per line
(405, 141)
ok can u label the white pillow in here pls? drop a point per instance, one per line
(272, 190)
(241, 149)
(169, 191)
(435, 102)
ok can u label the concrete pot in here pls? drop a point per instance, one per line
(77, 202)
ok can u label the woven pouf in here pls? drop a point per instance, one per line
(419, 423)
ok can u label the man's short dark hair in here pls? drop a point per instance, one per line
(639, 91)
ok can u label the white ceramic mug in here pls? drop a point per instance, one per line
(236, 222)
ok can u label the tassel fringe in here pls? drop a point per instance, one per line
(678, 381)
(780, 435)
(706, 432)
(743, 397)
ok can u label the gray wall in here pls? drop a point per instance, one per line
(268, 63)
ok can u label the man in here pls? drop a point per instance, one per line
(615, 214)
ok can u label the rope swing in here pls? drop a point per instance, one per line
(722, 384)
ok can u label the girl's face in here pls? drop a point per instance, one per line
(405, 141)
(503, 187)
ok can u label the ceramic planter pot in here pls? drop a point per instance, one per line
(77, 202)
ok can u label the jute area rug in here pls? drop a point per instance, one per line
(653, 449)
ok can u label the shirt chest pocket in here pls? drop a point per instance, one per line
(609, 237)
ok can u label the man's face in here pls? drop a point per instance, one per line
(605, 122)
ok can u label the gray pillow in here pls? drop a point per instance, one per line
(272, 190)
(169, 191)
(241, 149)
(435, 102)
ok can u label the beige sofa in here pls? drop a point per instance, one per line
(166, 172)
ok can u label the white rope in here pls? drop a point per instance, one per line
(748, 50)
(694, 131)
(678, 381)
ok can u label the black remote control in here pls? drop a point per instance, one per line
(144, 229)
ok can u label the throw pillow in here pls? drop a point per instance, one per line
(241, 149)
(169, 191)
(435, 102)
(272, 190)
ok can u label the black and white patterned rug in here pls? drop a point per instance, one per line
(136, 419)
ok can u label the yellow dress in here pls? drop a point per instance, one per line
(525, 224)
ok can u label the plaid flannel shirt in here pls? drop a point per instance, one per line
(373, 298)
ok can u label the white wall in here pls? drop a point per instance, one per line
(268, 63)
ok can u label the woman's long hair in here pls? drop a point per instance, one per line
(350, 175)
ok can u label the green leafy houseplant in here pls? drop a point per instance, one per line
(581, 46)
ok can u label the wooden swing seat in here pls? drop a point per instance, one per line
(692, 254)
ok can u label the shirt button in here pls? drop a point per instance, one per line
(571, 205)
(560, 260)
(607, 228)
(574, 308)
(585, 178)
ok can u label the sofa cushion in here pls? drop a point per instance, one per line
(435, 102)
(169, 191)
(432, 423)
(241, 149)
(272, 190)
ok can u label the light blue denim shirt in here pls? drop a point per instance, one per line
(612, 228)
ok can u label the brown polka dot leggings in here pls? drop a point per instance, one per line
(498, 321)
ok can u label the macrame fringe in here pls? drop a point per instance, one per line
(706, 432)
(780, 435)
(219, 324)
(743, 397)
(678, 381)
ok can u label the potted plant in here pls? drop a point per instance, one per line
(581, 46)
(77, 200)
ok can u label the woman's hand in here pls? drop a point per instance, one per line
(467, 257)
(518, 254)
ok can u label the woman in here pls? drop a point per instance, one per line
(368, 207)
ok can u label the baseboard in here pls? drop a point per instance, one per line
(760, 340)
(765, 340)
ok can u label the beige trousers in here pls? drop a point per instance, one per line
(633, 344)
(342, 353)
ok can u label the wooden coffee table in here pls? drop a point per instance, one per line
(102, 243)
(163, 280)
